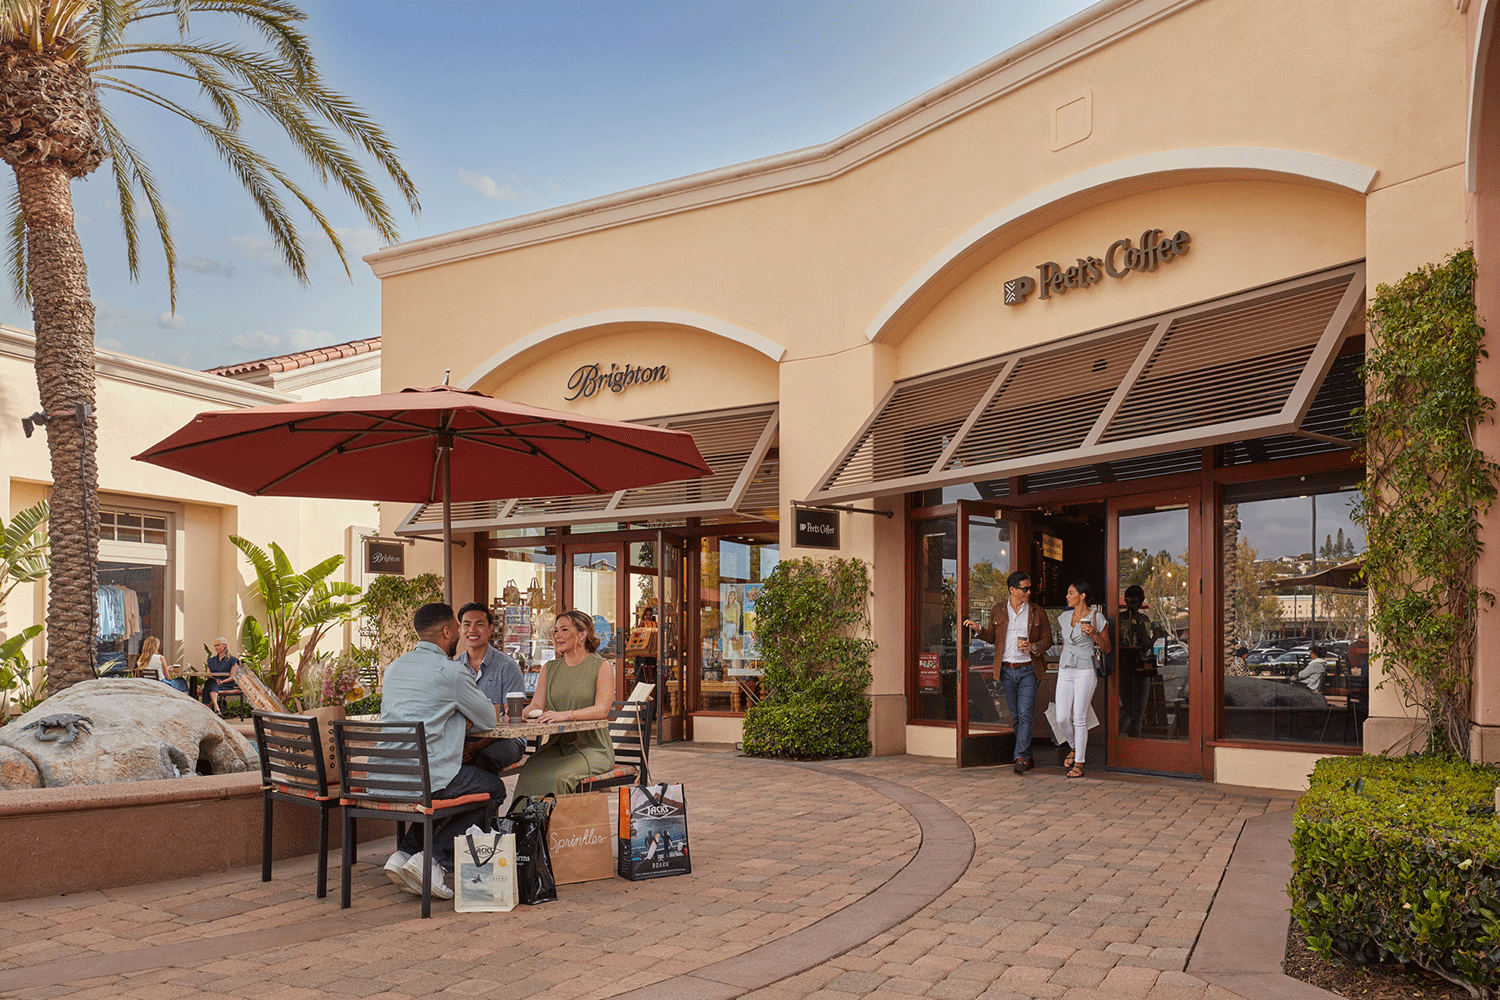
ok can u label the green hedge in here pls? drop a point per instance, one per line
(808, 730)
(1398, 859)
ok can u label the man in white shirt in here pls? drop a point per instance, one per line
(1025, 635)
(1311, 675)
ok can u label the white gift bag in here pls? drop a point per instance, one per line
(484, 872)
(1058, 735)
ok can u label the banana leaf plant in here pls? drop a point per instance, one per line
(15, 671)
(23, 548)
(300, 609)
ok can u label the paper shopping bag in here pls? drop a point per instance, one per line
(484, 872)
(578, 838)
(653, 832)
(1060, 735)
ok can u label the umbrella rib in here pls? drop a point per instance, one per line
(564, 425)
(337, 449)
(543, 455)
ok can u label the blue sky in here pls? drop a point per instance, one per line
(503, 107)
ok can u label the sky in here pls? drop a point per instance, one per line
(500, 108)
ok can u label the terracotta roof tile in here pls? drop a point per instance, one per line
(298, 359)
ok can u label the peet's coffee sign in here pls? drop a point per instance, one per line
(1122, 257)
(815, 529)
(590, 379)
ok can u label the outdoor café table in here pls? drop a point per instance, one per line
(528, 729)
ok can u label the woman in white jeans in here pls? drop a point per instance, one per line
(1082, 631)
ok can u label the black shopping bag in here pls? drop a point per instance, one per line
(534, 881)
(653, 832)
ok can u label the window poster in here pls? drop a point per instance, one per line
(737, 637)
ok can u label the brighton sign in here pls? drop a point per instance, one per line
(1122, 257)
(590, 379)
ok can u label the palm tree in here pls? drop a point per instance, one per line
(57, 57)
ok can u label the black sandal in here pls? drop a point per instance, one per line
(1074, 772)
(1068, 760)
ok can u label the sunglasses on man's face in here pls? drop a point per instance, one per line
(1025, 590)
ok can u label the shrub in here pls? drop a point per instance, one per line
(810, 617)
(811, 731)
(1399, 859)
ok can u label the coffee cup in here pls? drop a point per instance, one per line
(515, 705)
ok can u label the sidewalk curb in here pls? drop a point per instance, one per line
(1243, 943)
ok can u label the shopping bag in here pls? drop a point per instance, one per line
(534, 881)
(1061, 735)
(484, 871)
(578, 838)
(653, 832)
(642, 641)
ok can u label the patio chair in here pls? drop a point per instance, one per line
(630, 732)
(384, 775)
(291, 771)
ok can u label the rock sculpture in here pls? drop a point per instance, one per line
(142, 730)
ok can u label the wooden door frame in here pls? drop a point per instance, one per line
(1185, 757)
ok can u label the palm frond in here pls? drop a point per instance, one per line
(132, 172)
(15, 257)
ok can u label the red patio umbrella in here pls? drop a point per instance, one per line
(422, 446)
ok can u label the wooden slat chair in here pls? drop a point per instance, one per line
(291, 771)
(384, 775)
(630, 732)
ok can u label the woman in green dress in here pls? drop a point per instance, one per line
(577, 685)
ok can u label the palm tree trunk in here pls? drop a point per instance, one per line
(63, 316)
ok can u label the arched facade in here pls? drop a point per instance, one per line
(1093, 309)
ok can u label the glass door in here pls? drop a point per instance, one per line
(1157, 699)
(671, 672)
(593, 586)
(986, 556)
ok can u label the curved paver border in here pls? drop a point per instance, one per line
(942, 858)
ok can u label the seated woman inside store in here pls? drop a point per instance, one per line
(576, 686)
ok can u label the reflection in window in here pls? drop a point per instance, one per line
(937, 620)
(523, 582)
(1296, 648)
(730, 666)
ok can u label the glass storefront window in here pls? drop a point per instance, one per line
(937, 620)
(523, 582)
(596, 577)
(1289, 604)
(731, 573)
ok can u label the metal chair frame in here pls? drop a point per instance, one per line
(292, 771)
(384, 774)
(630, 732)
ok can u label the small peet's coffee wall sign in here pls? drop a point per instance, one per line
(815, 529)
(590, 379)
(1122, 257)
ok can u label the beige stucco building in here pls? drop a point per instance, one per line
(1092, 310)
(164, 535)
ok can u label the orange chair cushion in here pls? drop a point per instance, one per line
(386, 805)
(619, 771)
(306, 793)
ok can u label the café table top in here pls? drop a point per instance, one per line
(520, 730)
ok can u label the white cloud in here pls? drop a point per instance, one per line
(110, 344)
(282, 343)
(256, 249)
(487, 186)
(106, 315)
(207, 265)
(358, 242)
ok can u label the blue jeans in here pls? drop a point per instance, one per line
(1019, 685)
(468, 781)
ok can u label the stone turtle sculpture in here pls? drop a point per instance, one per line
(141, 730)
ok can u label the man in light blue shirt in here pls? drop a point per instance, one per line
(427, 686)
(497, 676)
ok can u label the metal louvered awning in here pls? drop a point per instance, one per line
(736, 443)
(1244, 366)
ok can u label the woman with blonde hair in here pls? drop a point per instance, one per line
(151, 664)
(579, 684)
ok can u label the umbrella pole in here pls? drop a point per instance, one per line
(447, 451)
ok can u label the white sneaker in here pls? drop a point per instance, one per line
(393, 868)
(411, 873)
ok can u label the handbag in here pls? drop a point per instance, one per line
(642, 641)
(534, 881)
(484, 876)
(512, 593)
(1104, 663)
(653, 832)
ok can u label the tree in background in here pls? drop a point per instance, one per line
(57, 57)
(1255, 611)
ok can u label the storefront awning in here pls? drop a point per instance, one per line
(1240, 367)
(736, 443)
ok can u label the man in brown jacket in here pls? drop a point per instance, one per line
(1021, 633)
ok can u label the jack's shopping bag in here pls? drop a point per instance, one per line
(534, 881)
(653, 832)
(484, 870)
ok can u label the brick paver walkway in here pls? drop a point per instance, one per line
(1024, 887)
